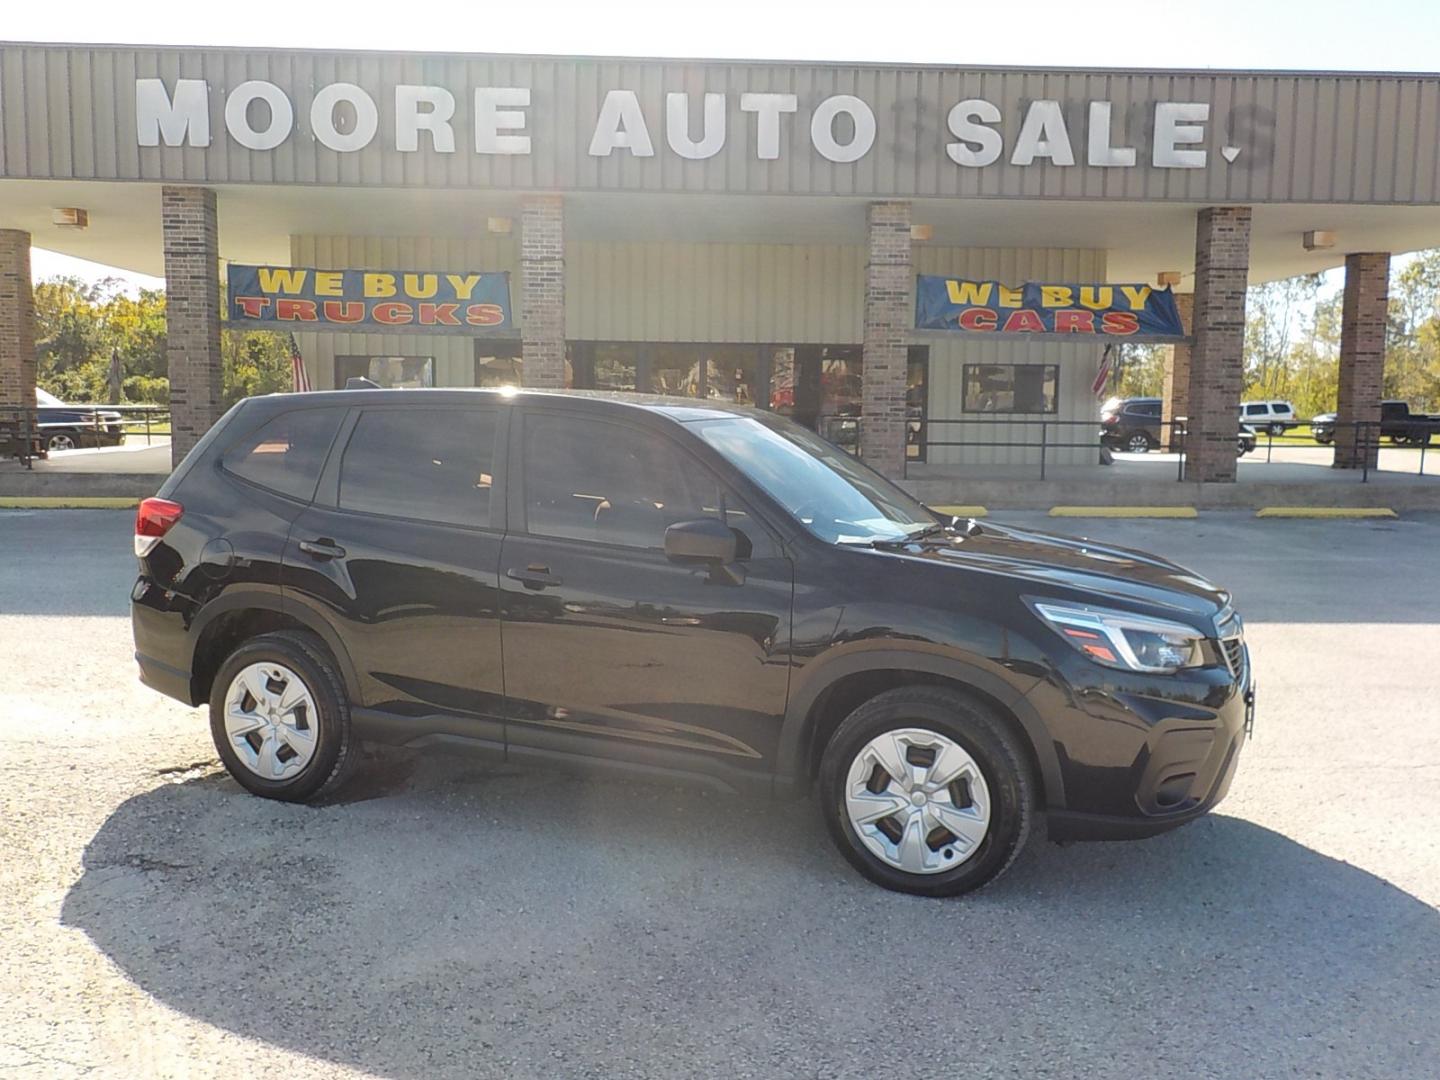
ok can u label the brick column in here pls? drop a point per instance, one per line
(1364, 314)
(1176, 394)
(1222, 266)
(17, 322)
(192, 313)
(887, 325)
(542, 291)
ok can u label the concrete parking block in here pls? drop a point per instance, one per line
(1125, 511)
(1325, 512)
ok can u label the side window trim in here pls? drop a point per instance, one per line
(515, 485)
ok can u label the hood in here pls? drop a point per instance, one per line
(1113, 573)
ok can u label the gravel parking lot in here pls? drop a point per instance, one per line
(449, 918)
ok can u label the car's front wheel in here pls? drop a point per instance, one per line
(1277, 429)
(61, 440)
(280, 718)
(926, 791)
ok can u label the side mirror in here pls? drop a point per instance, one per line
(703, 540)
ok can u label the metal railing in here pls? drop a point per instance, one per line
(27, 434)
(1038, 442)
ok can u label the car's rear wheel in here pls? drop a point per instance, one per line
(280, 719)
(1138, 443)
(61, 441)
(926, 791)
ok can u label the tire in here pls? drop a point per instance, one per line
(1241, 448)
(1324, 440)
(333, 750)
(1137, 443)
(922, 713)
(1277, 429)
(62, 440)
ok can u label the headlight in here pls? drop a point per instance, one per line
(1120, 640)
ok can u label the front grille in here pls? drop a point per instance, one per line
(1234, 651)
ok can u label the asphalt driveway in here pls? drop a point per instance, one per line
(449, 918)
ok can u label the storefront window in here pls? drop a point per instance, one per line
(1011, 388)
(497, 363)
(820, 386)
(405, 372)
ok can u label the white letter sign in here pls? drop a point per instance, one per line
(621, 126)
(187, 115)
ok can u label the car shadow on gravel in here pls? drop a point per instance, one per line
(486, 921)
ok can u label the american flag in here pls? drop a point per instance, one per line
(299, 381)
(1103, 375)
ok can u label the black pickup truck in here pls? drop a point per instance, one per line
(1397, 423)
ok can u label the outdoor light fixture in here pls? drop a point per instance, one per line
(498, 225)
(1169, 278)
(70, 217)
(921, 232)
(1318, 240)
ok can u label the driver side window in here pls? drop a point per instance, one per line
(611, 484)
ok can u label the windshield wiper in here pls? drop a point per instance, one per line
(911, 537)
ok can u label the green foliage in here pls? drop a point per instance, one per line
(255, 362)
(1142, 373)
(80, 325)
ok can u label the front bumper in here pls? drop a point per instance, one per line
(1147, 757)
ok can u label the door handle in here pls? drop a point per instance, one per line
(322, 549)
(533, 576)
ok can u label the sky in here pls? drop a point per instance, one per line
(1385, 35)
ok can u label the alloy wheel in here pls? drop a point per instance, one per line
(61, 442)
(1138, 444)
(917, 800)
(271, 720)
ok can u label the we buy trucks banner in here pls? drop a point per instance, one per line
(1137, 312)
(377, 301)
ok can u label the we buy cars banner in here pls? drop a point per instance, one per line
(1137, 312)
(377, 301)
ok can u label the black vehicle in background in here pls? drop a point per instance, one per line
(681, 589)
(1397, 423)
(70, 427)
(1133, 425)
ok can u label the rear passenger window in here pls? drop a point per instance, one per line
(424, 464)
(590, 480)
(286, 454)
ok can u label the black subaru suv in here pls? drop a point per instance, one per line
(681, 589)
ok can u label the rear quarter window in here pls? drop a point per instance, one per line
(286, 453)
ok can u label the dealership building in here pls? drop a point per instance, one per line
(766, 233)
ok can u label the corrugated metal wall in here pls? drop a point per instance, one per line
(69, 112)
(761, 293)
(765, 293)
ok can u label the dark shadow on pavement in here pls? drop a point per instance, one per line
(479, 921)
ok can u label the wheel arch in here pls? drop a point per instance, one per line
(238, 616)
(831, 689)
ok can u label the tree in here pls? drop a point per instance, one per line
(79, 325)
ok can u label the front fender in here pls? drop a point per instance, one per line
(992, 680)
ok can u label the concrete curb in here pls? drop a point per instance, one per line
(67, 502)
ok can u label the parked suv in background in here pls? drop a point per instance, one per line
(1276, 417)
(681, 588)
(1133, 425)
(69, 427)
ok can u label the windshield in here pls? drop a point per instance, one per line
(828, 491)
(43, 397)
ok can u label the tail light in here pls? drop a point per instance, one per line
(153, 519)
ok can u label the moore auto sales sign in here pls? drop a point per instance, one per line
(594, 124)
